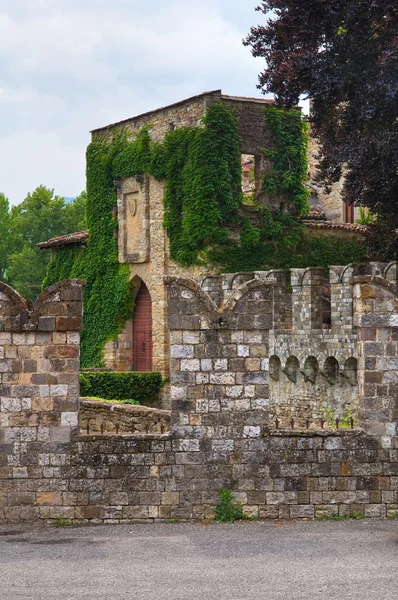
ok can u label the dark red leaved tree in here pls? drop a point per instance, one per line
(343, 55)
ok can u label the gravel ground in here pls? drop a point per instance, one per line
(354, 560)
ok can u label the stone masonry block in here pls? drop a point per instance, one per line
(185, 351)
(190, 365)
(68, 323)
(46, 324)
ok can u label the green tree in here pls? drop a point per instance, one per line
(75, 214)
(42, 215)
(27, 270)
(343, 54)
(5, 235)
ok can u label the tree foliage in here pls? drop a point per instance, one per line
(40, 216)
(343, 55)
(5, 234)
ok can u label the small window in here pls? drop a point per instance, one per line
(274, 368)
(311, 369)
(292, 368)
(350, 371)
(331, 370)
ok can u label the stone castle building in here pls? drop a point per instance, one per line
(142, 240)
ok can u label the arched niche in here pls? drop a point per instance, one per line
(274, 368)
(292, 368)
(311, 369)
(331, 370)
(351, 370)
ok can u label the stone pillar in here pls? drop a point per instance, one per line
(307, 298)
(341, 297)
(39, 394)
(282, 305)
(376, 316)
(219, 359)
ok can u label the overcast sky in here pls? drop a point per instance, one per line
(68, 66)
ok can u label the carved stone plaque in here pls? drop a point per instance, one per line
(133, 217)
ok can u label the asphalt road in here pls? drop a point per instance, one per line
(313, 560)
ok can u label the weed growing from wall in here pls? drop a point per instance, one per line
(228, 511)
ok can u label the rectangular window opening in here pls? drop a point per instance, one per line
(248, 175)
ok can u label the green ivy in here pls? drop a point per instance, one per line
(211, 185)
(281, 242)
(289, 157)
(201, 167)
(61, 265)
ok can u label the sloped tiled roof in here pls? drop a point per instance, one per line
(79, 237)
(354, 227)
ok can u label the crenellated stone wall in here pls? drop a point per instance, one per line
(226, 335)
(313, 360)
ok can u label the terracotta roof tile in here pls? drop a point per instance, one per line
(79, 237)
(329, 225)
(316, 213)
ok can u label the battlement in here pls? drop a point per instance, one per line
(58, 308)
(302, 299)
(288, 342)
(247, 401)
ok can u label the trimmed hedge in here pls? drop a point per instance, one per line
(143, 387)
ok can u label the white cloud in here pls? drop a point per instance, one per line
(69, 66)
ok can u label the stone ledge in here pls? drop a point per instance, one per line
(125, 408)
(128, 419)
(95, 437)
(314, 432)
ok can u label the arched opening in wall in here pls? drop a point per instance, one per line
(292, 368)
(274, 368)
(351, 370)
(331, 370)
(142, 330)
(311, 369)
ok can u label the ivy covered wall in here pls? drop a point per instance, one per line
(203, 202)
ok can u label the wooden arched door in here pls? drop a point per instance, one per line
(142, 330)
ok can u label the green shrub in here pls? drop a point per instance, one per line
(143, 387)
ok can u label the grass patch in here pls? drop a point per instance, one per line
(61, 522)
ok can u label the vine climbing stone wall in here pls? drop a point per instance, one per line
(142, 240)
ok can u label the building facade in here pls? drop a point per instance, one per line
(142, 239)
